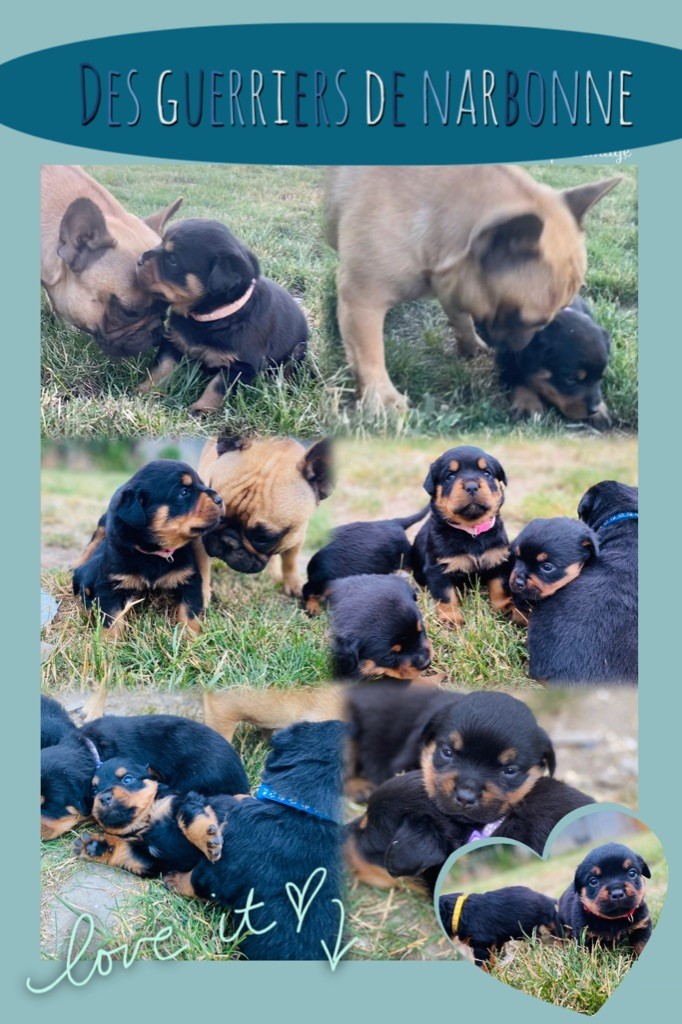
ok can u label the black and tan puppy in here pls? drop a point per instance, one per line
(184, 755)
(481, 923)
(605, 905)
(488, 242)
(379, 547)
(224, 314)
(377, 629)
(548, 555)
(146, 828)
(281, 845)
(144, 543)
(563, 366)
(587, 633)
(487, 770)
(464, 537)
(89, 248)
(270, 487)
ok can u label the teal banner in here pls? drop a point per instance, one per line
(348, 94)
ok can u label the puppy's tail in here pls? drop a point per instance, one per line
(409, 521)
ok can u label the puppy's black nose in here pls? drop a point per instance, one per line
(617, 892)
(422, 659)
(466, 796)
(471, 486)
(105, 798)
(216, 498)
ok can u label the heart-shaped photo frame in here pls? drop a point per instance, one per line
(566, 927)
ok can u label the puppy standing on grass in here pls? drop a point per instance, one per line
(488, 242)
(605, 905)
(144, 543)
(224, 314)
(464, 537)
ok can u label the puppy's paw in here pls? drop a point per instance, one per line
(198, 410)
(468, 347)
(526, 404)
(293, 586)
(601, 419)
(383, 397)
(91, 847)
(449, 614)
(179, 882)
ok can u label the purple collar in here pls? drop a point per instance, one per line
(485, 832)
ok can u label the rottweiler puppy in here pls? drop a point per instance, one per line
(224, 314)
(145, 828)
(605, 905)
(485, 765)
(144, 543)
(481, 923)
(185, 756)
(270, 487)
(377, 629)
(587, 633)
(285, 838)
(548, 555)
(464, 537)
(563, 366)
(55, 723)
(378, 548)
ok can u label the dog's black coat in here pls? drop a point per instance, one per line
(488, 920)
(267, 844)
(55, 723)
(587, 632)
(184, 754)
(269, 330)
(570, 357)
(378, 548)
(605, 904)
(161, 508)
(466, 486)
(377, 628)
(387, 725)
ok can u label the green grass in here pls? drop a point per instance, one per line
(278, 212)
(564, 973)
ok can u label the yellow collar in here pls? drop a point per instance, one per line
(457, 913)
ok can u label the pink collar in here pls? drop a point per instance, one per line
(223, 311)
(474, 531)
(166, 553)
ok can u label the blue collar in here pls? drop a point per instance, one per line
(266, 792)
(617, 518)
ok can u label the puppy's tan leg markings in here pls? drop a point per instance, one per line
(179, 882)
(212, 398)
(370, 874)
(205, 833)
(158, 373)
(185, 617)
(525, 402)
(450, 611)
(93, 544)
(499, 598)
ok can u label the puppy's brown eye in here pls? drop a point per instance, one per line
(632, 873)
(547, 568)
(446, 751)
(510, 770)
(127, 780)
(593, 882)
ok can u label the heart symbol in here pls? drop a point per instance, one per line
(297, 897)
(583, 914)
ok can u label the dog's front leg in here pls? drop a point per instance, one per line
(190, 603)
(203, 560)
(166, 363)
(114, 850)
(361, 322)
(468, 342)
(212, 398)
(293, 585)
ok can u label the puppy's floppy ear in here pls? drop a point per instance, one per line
(230, 268)
(317, 467)
(131, 509)
(346, 657)
(643, 867)
(591, 544)
(586, 504)
(497, 469)
(430, 482)
(415, 847)
(158, 220)
(548, 755)
(506, 241)
(83, 235)
(579, 880)
(582, 198)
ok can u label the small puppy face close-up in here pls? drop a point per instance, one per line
(167, 504)
(610, 881)
(466, 486)
(123, 793)
(377, 628)
(483, 755)
(197, 258)
(548, 555)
